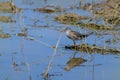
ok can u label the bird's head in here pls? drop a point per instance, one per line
(66, 29)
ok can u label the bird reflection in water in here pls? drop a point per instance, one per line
(74, 62)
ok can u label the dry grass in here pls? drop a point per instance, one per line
(70, 18)
(8, 7)
(93, 49)
(52, 58)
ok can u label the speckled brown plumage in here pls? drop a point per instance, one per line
(73, 35)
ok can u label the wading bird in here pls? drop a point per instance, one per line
(73, 35)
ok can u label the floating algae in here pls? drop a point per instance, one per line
(92, 49)
(74, 62)
(5, 35)
(69, 18)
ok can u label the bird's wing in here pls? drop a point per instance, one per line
(77, 34)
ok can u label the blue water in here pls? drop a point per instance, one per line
(33, 56)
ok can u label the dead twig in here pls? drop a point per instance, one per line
(52, 58)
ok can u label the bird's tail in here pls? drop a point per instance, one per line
(90, 33)
(86, 35)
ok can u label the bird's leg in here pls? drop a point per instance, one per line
(74, 42)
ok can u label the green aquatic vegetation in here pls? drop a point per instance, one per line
(92, 49)
(5, 35)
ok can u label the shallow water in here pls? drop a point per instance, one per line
(24, 57)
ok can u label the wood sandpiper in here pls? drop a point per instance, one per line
(73, 35)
